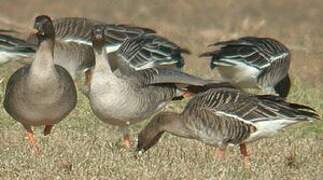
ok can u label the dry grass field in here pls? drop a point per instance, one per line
(82, 147)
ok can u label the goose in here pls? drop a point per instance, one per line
(226, 116)
(253, 62)
(131, 96)
(41, 93)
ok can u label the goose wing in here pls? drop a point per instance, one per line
(151, 50)
(163, 76)
(10, 43)
(249, 108)
(251, 51)
(77, 29)
(12, 48)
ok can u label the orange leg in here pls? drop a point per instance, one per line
(32, 141)
(246, 157)
(48, 129)
(220, 153)
(126, 141)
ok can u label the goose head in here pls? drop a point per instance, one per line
(151, 134)
(97, 38)
(44, 27)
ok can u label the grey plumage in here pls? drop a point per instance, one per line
(252, 62)
(78, 29)
(11, 47)
(131, 96)
(41, 93)
(74, 32)
(147, 90)
(154, 51)
(223, 116)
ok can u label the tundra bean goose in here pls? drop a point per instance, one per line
(41, 93)
(223, 116)
(252, 62)
(132, 96)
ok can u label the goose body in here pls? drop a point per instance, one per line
(131, 96)
(41, 93)
(252, 62)
(224, 116)
(122, 101)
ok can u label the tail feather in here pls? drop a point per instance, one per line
(289, 109)
(282, 88)
(13, 45)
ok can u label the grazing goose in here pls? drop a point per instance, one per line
(41, 93)
(223, 116)
(132, 96)
(252, 62)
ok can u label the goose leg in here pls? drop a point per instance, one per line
(126, 141)
(220, 153)
(246, 156)
(31, 140)
(48, 129)
(126, 138)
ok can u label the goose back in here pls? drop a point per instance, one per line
(251, 61)
(228, 116)
(151, 50)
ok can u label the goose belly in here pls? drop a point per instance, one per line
(123, 108)
(240, 74)
(39, 112)
(266, 129)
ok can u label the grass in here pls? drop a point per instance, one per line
(82, 147)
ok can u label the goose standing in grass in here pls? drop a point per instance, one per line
(252, 62)
(41, 93)
(223, 116)
(131, 96)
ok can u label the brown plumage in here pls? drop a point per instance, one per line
(41, 93)
(223, 116)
